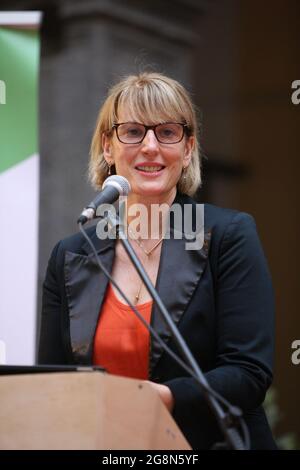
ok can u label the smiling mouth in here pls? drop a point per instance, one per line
(150, 169)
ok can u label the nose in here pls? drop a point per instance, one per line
(150, 141)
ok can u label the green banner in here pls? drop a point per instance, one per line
(19, 60)
(19, 175)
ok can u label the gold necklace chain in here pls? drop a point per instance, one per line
(147, 253)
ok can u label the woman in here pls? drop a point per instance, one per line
(220, 295)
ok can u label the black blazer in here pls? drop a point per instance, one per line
(220, 297)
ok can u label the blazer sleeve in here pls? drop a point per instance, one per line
(50, 348)
(244, 327)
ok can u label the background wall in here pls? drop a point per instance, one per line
(269, 126)
(238, 59)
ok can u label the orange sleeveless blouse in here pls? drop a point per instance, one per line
(122, 342)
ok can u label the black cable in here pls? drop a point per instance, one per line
(233, 411)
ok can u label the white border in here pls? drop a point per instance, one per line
(19, 260)
(19, 18)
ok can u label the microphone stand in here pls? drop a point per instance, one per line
(225, 420)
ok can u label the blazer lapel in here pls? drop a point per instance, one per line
(85, 289)
(180, 271)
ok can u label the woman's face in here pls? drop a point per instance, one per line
(129, 158)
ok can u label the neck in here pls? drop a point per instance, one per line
(148, 221)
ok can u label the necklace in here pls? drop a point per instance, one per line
(148, 254)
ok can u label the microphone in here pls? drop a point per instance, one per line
(113, 187)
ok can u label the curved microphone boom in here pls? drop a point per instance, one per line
(113, 187)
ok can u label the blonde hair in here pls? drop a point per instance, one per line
(151, 98)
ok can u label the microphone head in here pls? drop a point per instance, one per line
(119, 182)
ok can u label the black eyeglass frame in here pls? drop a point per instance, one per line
(185, 128)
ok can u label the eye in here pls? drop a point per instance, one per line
(166, 131)
(131, 130)
(134, 131)
(169, 131)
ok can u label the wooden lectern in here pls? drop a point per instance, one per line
(84, 410)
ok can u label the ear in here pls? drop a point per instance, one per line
(107, 147)
(188, 150)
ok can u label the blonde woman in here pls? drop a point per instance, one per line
(220, 295)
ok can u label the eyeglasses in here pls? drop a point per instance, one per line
(134, 132)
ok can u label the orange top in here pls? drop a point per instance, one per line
(121, 343)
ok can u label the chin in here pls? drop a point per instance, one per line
(154, 191)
